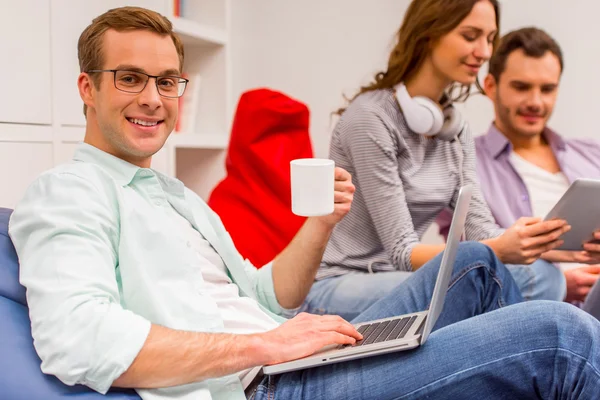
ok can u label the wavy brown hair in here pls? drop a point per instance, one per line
(425, 22)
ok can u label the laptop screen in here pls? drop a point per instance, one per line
(443, 279)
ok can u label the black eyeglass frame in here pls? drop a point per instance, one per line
(156, 77)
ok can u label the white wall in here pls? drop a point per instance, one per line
(315, 50)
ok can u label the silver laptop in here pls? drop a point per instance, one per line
(396, 333)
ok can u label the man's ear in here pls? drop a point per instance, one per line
(490, 86)
(87, 90)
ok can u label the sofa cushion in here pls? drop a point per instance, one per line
(20, 375)
(9, 265)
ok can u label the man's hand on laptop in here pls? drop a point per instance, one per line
(304, 335)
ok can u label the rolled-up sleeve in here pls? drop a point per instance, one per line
(264, 289)
(66, 235)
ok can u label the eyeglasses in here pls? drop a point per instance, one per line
(135, 82)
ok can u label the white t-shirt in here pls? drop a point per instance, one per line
(545, 188)
(241, 315)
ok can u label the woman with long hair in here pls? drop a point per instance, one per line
(409, 151)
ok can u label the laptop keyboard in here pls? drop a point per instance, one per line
(383, 331)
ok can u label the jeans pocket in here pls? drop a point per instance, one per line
(266, 389)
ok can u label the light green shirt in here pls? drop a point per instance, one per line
(100, 264)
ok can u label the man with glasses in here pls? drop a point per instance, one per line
(132, 281)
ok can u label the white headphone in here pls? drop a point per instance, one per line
(425, 117)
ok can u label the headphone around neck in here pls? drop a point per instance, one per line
(425, 117)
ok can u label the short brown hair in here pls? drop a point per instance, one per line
(533, 41)
(89, 47)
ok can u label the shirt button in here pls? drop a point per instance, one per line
(188, 244)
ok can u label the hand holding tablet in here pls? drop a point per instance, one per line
(594, 245)
(580, 207)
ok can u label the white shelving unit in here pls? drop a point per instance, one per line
(193, 33)
(197, 158)
(192, 141)
(42, 130)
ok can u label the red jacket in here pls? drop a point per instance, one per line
(253, 200)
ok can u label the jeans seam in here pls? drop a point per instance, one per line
(271, 390)
(465, 271)
(532, 281)
(479, 264)
(501, 297)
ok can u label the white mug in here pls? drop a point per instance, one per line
(312, 181)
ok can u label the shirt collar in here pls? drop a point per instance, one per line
(497, 144)
(556, 142)
(122, 171)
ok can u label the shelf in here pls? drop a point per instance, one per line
(194, 34)
(198, 141)
(25, 133)
(72, 134)
(176, 140)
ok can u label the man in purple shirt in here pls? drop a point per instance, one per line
(523, 166)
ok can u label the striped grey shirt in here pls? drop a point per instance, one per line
(403, 180)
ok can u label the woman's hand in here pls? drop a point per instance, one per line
(526, 240)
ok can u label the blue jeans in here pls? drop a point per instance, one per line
(529, 350)
(349, 295)
(540, 281)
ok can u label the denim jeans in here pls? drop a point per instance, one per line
(540, 281)
(351, 294)
(479, 349)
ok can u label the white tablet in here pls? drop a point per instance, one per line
(580, 207)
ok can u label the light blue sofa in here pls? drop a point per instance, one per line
(20, 375)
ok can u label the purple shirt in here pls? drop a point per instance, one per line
(503, 188)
